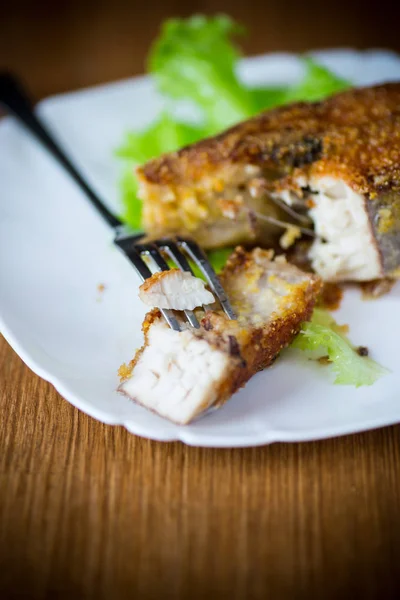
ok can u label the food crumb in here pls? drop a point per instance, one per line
(377, 288)
(344, 329)
(331, 296)
(291, 234)
(101, 287)
(324, 360)
(230, 208)
(362, 351)
(125, 370)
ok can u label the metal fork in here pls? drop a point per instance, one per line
(16, 100)
(177, 249)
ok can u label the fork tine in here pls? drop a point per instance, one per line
(170, 318)
(162, 264)
(198, 256)
(290, 211)
(283, 224)
(155, 254)
(191, 317)
(138, 263)
(172, 249)
(133, 250)
(134, 254)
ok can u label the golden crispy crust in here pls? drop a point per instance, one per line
(125, 370)
(354, 135)
(149, 283)
(263, 344)
(258, 347)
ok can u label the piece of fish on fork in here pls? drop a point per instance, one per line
(177, 250)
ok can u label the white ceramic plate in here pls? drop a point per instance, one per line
(55, 251)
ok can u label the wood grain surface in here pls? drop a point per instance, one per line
(90, 511)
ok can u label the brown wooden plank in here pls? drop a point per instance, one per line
(92, 511)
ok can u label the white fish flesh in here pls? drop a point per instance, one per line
(175, 289)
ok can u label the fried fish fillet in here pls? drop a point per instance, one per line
(181, 374)
(338, 159)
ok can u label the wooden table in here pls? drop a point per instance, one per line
(88, 510)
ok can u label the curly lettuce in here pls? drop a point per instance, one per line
(317, 83)
(324, 337)
(194, 59)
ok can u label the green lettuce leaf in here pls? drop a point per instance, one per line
(194, 59)
(163, 135)
(324, 318)
(267, 97)
(317, 83)
(132, 205)
(219, 257)
(324, 337)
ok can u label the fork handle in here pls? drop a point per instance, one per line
(16, 100)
